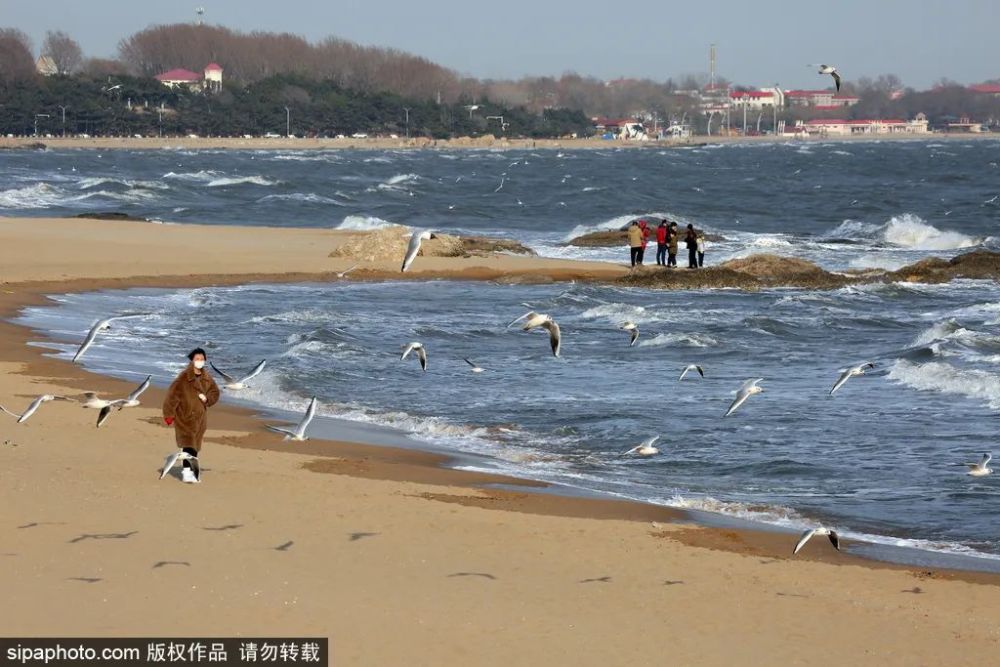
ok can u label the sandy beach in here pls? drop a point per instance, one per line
(459, 143)
(395, 558)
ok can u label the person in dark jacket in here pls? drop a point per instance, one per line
(635, 242)
(691, 241)
(672, 245)
(186, 406)
(662, 234)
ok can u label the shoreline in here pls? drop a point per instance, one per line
(434, 541)
(460, 143)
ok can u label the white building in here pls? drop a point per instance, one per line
(210, 79)
(842, 128)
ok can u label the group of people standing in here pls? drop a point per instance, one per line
(667, 242)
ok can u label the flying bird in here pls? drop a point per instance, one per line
(531, 320)
(101, 325)
(181, 455)
(808, 535)
(299, 432)
(980, 469)
(849, 373)
(749, 388)
(130, 401)
(233, 384)
(645, 448)
(411, 250)
(475, 368)
(35, 404)
(420, 350)
(343, 274)
(832, 71)
(555, 336)
(631, 327)
(689, 368)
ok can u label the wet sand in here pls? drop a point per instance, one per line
(395, 558)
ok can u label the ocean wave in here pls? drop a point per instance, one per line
(300, 197)
(192, 175)
(620, 222)
(97, 181)
(903, 231)
(364, 223)
(944, 378)
(680, 339)
(617, 313)
(226, 181)
(38, 195)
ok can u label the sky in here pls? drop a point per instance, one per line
(759, 43)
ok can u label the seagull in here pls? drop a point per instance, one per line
(807, 535)
(475, 368)
(91, 336)
(35, 404)
(531, 320)
(832, 71)
(343, 274)
(414, 247)
(499, 187)
(856, 371)
(689, 368)
(130, 401)
(421, 353)
(555, 336)
(630, 326)
(645, 448)
(299, 432)
(993, 200)
(234, 384)
(181, 455)
(748, 389)
(980, 469)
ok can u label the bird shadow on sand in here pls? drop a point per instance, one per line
(354, 537)
(596, 580)
(285, 547)
(164, 563)
(672, 582)
(791, 595)
(86, 580)
(916, 590)
(103, 536)
(35, 524)
(220, 529)
(483, 575)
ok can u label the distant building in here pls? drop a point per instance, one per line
(46, 66)
(211, 79)
(819, 99)
(757, 99)
(986, 89)
(623, 128)
(839, 128)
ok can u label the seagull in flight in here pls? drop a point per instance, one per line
(849, 373)
(631, 327)
(130, 401)
(181, 455)
(101, 325)
(555, 336)
(235, 384)
(299, 432)
(822, 532)
(645, 448)
(749, 388)
(980, 469)
(531, 320)
(475, 368)
(420, 350)
(343, 274)
(411, 250)
(832, 71)
(35, 404)
(689, 368)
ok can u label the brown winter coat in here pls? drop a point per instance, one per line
(189, 413)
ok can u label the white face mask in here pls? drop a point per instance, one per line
(199, 364)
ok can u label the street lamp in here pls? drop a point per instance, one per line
(288, 122)
(777, 96)
(37, 116)
(63, 119)
(407, 110)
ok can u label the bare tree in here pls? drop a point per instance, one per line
(65, 52)
(16, 61)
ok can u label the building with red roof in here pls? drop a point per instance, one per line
(986, 89)
(211, 79)
(839, 127)
(821, 99)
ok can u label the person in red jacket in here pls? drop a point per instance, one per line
(645, 239)
(662, 238)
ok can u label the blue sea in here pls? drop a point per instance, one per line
(878, 460)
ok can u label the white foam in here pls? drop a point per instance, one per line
(364, 223)
(38, 195)
(944, 378)
(240, 180)
(680, 339)
(192, 175)
(910, 231)
(302, 197)
(619, 222)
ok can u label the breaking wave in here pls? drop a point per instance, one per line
(902, 231)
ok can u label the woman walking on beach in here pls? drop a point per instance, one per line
(635, 243)
(691, 241)
(190, 396)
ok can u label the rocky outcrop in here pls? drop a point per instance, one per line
(611, 238)
(751, 273)
(976, 265)
(391, 243)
